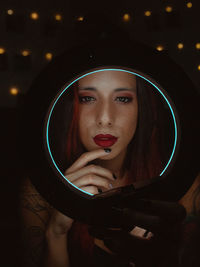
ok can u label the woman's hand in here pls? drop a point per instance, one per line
(163, 220)
(91, 178)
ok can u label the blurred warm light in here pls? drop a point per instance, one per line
(189, 4)
(126, 17)
(58, 17)
(25, 53)
(2, 50)
(180, 45)
(197, 45)
(34, 15)
(14, 91)
(10, 12)
(147, 13)
(198, 67)
(81, 18)
(160, 47)
(168, 9)
(48, 56)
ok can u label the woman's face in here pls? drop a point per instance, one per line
(108, 109)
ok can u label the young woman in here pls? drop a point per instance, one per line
(114, 139)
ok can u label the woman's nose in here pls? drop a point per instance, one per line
(105, 114)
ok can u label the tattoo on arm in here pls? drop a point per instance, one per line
(34, 203)
(35, 212)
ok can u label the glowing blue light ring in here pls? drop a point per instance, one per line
(47, 131)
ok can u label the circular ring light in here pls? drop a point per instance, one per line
(174, 88)
(162, 92)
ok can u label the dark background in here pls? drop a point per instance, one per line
(18, 32)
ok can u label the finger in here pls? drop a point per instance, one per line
(90, 169)
(138, 231)
(90, 189)
(85, 158)
(92, 179)
(141, 233)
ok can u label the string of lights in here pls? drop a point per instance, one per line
(35, 15)
(126, 17)
(27, 52)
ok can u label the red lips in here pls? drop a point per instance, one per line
(105, 140)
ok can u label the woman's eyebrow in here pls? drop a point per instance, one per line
(125, 89)
(116, 90)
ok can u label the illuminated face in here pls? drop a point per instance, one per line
(108, 111)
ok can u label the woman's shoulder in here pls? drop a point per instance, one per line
(191, 200)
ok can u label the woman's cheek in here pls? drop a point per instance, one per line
(129, 130)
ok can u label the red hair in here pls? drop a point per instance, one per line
(81, 245)
(73, 136)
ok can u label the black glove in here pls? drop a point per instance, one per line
(163, 219)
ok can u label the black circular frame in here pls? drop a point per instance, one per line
(129, 56)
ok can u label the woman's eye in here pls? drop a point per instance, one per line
(84, 99)
(124, 99)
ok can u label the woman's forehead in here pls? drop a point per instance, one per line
(114, 79)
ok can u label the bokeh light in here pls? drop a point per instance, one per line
(180, 46)
(80, 18)
(159, 47)
(25, 53)
(197, 46)
(168, 9)
(34, 16)
(10, 12)
(2, 50)
(126, 17)
(14, 90)
(48, 56)
(189, 4)
(58, 17)
(147, 13)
